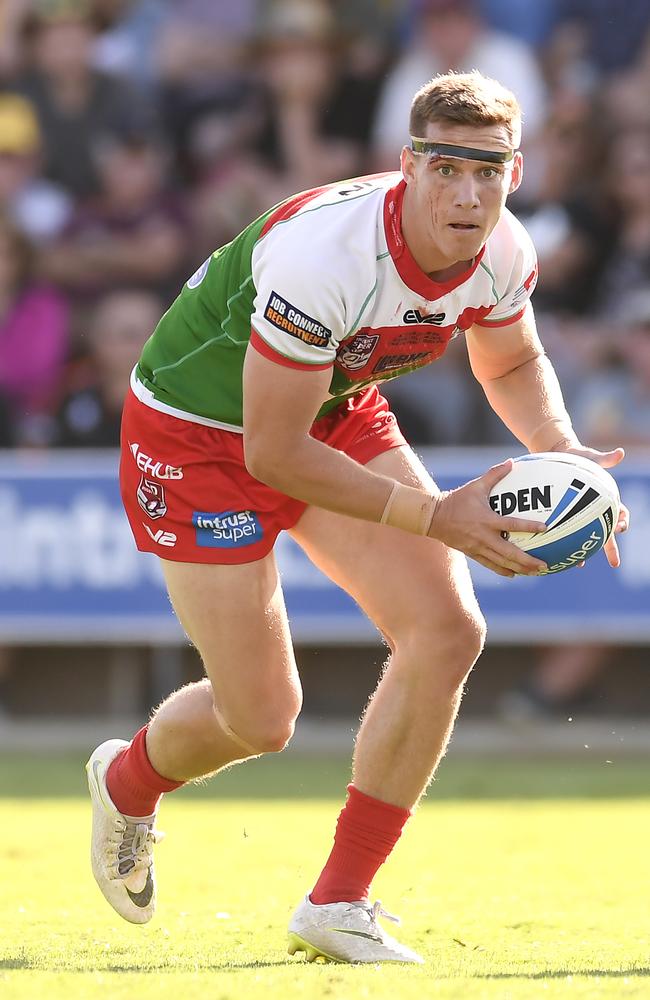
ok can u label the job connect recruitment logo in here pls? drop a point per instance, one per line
(227, 529)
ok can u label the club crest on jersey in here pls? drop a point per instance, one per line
(354, 355)
(291, 320)
(151, 497)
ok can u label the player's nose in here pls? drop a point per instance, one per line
(466, 192)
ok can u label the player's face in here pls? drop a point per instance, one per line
(454, 204)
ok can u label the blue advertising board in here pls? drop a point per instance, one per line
(69, 570)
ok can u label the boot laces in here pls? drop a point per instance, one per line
(135, 847)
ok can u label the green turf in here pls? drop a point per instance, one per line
(506, 889)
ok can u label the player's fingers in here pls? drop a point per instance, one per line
(510, 524)
(513, 564)
(522, 563)
(612, 553)
(623, 522)
(607, 459)
(495, 474)
(495, 567)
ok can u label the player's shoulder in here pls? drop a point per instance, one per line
(509, 235)
(509, 246)
(329, 230)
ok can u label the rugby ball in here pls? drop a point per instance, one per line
(577, 499)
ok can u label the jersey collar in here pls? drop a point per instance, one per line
(412, 275)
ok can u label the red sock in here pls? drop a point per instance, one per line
(366, 832)
(132, 783)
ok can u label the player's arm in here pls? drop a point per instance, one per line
(520, 383)
(280, 405)
(522, 388)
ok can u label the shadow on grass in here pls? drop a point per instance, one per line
(28, 964)
(295, 776)
(124, 967)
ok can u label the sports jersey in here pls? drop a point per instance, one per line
(324, 280)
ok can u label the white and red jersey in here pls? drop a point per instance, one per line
(337, 285)
(324, 280)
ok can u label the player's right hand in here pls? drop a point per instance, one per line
(464, 520)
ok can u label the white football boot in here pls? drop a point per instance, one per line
(122, 846)
(345, 932)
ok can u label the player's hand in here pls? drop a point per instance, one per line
(464, 520)
(607, 459)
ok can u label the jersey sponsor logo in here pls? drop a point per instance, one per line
(227, 529)
(390, 362)
(151, 497)
(356, 354)
(286, 317)
(412, 337)
(415, 316)
(160, 537)
(199, 275)
(152, 467)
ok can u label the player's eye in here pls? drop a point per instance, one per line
(489, 173)
(445, 170)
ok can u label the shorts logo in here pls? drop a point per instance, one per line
(160, 537)
(287, 318)
(151, 497)
(151, 467)
(354, 355)
(227, 529)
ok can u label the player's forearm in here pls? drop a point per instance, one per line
(529, 401)
(324, 477)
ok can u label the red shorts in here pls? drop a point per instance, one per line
(189, 497)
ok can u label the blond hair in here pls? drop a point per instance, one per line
(466, 99)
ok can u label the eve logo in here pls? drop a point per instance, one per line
(160, 537)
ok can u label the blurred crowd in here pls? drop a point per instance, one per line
(138, 135)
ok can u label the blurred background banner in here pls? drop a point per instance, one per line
(69, 571)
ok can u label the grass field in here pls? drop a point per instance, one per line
(516, 879)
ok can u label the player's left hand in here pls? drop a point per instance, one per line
(607, 459)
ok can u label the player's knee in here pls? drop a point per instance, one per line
(266, 735)
(467, 639)
(449, 647)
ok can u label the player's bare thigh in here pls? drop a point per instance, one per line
(409, 586)
(236, 618)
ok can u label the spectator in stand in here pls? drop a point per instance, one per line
(13, 14)
(530, 22)
(602, 36)
(451, 35)
(616, 400)
(75, 103)
(561, 683)
(90, 415)
(627, 269)
(309, 125)
(199, 58)
(38, 207)
(318, 114)
(34, 334)
(133, 233)
(127, 39)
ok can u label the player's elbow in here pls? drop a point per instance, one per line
(263, 461)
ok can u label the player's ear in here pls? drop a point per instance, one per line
(407, 163)
(517, 172)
